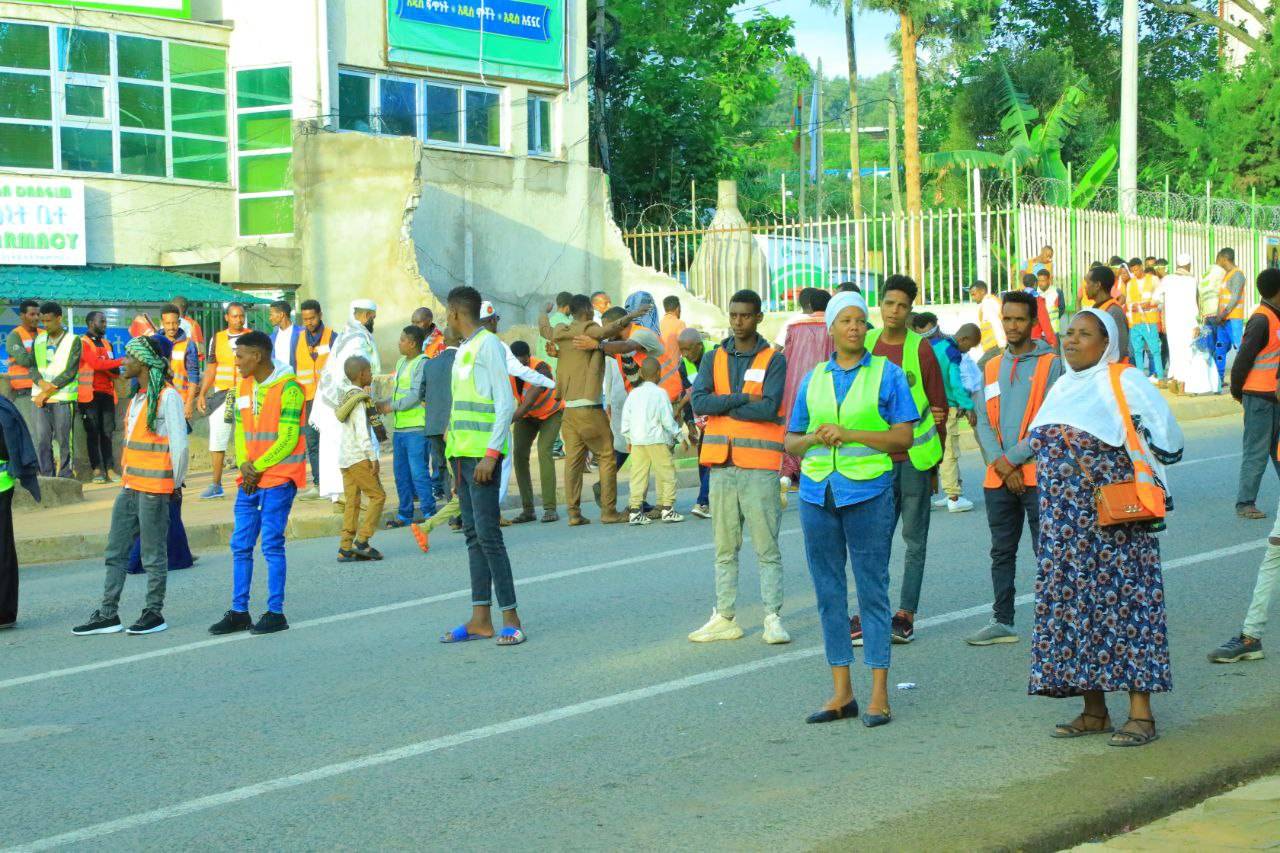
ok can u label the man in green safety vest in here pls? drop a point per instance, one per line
(409, 441)
(477, 439)
(914, 472)
(57, 355)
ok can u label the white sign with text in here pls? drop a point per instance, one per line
(41, 222)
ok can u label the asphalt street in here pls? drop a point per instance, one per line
(356, 729)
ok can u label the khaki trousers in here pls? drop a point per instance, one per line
(357, 481)
(584, 429)
(657, 457)
(949, 469)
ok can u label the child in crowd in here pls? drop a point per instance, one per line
(362, 434)
(651, 429)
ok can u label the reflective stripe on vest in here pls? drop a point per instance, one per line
(226, 375)
(70, 392)
(743, 444)
(1139, 296)
(311, 361)
(1262, 376)
(256, 432)
(84, 380)
(409, 418)
(471, 414)
(1149, 493)
(1039, 387)
(146, 463)
(19, 376)
(668, 374)
(860, 410)
(926, 447)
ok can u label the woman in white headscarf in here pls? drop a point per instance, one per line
(1099, 594)
(355, 339)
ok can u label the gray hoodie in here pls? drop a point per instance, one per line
(1014, 385)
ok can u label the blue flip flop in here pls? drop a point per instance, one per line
(509, 636)
(460, 635)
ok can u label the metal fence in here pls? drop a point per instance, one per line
(1005, 224)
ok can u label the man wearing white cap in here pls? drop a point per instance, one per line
(1181, 316)
(356, 339)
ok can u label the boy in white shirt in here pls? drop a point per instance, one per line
(358, 446)
(651, 429)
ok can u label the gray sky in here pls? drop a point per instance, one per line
(820, 33)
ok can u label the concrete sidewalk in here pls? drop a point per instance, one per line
(1247, 818)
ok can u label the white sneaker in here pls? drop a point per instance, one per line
(717, 628)
(940, 501)
(310, 494)
(784, 486)
(701, 510)
(1153, 380)
(959, 504)
(774, 633)
(639, 518)
(670, 516)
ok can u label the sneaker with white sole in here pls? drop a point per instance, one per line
(639, 518)
(150, 622)
(717, 628)
(784, 486)
(670, 516)
(98, 624)
(212, 492)
(940, 501)
(992, 633)
(774, 633)
(960, 504)
(701, 511)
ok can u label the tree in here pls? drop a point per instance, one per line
(685, 81)
(1262, 17)
(851, 103)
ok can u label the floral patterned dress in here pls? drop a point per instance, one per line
(1099, 593)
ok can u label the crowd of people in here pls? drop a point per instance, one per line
(859, 422)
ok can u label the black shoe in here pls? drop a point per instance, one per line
(347, 556)
(98, 624)
(150, 622)
(456, 525)
(871, 721)
(232, 621)
(824, 716)
(365, 551)
(270, 623)
(902, 629)
(1236, 649)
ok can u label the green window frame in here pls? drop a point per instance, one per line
(264, 151)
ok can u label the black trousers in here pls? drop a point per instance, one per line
(99, 418)
(8, 561)
(1005, 512)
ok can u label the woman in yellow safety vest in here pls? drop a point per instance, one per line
(851, 412)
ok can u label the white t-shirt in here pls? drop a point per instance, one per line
(281, 348)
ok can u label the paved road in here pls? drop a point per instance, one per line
(356, 729)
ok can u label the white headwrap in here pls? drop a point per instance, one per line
(842, 300)
(1085, 400)
(363, 305)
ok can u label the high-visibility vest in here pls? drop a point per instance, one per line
(70, 392)
(311, 361)
(471, 414)
(991, 390)
(433, 345)
(178, 367)
(668, 374)
(192, 327)
(19, 376)
(417, 416)
(860, 410)
(84, 380)
(1139, 299)
(743, 444)
(1144, 475)
(226, 375)
(989, 340)
(926, 447)
(146, 462)
(1262, 376)
(6, 478)
(545, 402)
(1224, 298)
(255, 433)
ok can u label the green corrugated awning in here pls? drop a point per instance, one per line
(111, 286)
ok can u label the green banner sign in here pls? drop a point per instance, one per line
(516, 39)
(167, 8)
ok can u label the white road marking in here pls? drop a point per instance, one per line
(1187, 462)
(353, 614)
(413, 750)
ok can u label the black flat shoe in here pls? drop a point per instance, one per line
(873, 720)
(824, 716)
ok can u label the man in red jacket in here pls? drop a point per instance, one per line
(96, 399)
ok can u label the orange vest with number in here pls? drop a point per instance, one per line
(743, 444)
(19, 376)
(1039, 387)
(146, 462)
(308, 373)
(546, 403)
(1262, 376)
(225, 375)
(261, 430)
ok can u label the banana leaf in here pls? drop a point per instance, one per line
(1095, 177)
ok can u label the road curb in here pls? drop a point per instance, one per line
(1099, 791)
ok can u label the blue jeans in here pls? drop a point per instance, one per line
(409, 462)
(704, 485)
(1145, 337)
(861, 534)
(486, 552)
(266, 511)
(1226, 337)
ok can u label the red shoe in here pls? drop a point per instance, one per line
(420, 536)
(855, 630)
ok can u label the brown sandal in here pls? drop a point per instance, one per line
(1071, 729)
(1128, 737)
(1251, 512)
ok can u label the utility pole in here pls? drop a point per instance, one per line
(1128, 177)
(855, 167)
(804, 177)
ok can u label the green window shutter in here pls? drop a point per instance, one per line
(272, 215)
(26, 146)
(259, 131)
(142, 154)
(141, 106)
(139, 58)
(264, 87)
(192, 65)
(24, 46)
(85, 150)
(200, 159)
(25, 96)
